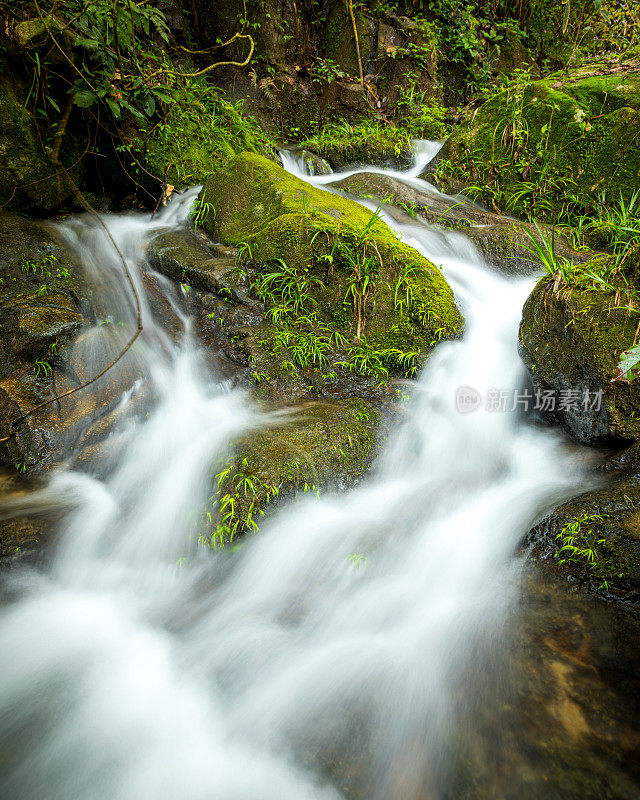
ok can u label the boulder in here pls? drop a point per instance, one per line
(283, 220)
(501, 240)
(318, 445)
(360, 143)
(184, 257)
(599, 531)
(571, 339)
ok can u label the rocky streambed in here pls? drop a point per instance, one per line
(308, 303)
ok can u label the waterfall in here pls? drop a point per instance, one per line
(339, 653)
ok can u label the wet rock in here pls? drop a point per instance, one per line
(314, 164)
(561, 723)
(159, 293)
(318, 445)
(501, 240)
(603, 525)
(571, 340)
(187, 258)
(43, 306)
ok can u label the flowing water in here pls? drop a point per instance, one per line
(345, 650)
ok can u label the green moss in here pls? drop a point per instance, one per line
(537, 148)
(200, 133)
(573, 338)
(339, 40)
(368, 142)
(27, 174)
(324, 445)
(281, 217)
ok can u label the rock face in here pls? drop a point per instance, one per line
(605, 521)
(28, 183)
(43, 305)
(571, 340)
(329, 238)
(583, 131)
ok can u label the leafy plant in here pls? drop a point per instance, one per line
(577, 541)
(290, 285)
(200, 212)
(543, 248)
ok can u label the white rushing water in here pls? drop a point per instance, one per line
(341, 649)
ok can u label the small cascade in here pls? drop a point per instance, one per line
(340, 653)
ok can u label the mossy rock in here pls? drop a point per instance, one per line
(44, 303)
(281, 217)
(319, 446)
(502, 241)
(185, 257)
(364, 143)
(42, 294)
(339, 41)
(606, 520)
(201, 132)
(29, 183)
(586, 126)
(572, 339)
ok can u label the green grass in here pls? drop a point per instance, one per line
(369, 141)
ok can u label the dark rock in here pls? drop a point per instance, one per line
(186, 258)
(605, 520)
(43, 302)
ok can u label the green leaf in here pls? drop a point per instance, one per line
(84, 98)
(629, 359)
(114, 106)
(149, 104)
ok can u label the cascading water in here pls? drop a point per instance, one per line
(335, 654)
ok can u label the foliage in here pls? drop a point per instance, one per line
(369, 141)
(420, 114)
(112, 68)
(325, 70)
(629, 365)
(232, 509)
(578, 541)
(543, 247)
(198, 132)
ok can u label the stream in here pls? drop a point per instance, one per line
(387, 643)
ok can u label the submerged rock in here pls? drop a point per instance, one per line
(571, 340)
